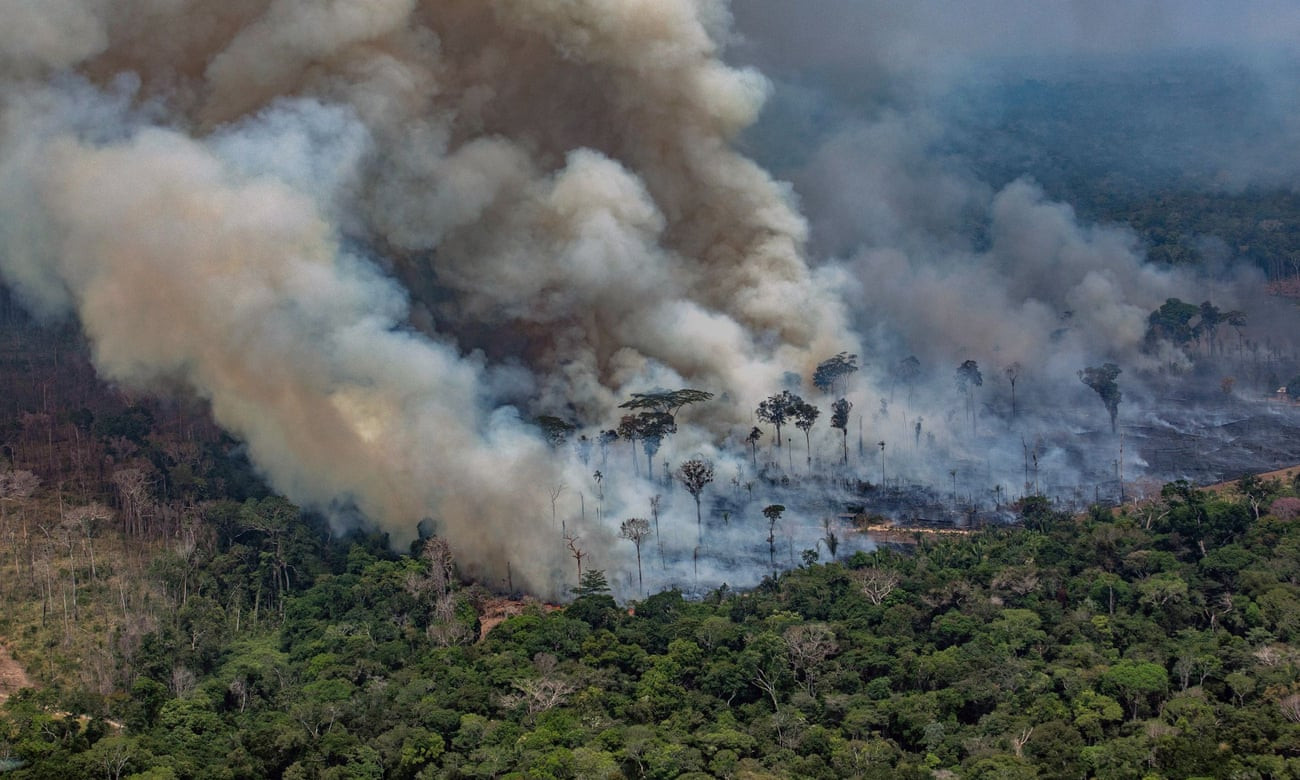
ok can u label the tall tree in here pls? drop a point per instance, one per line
(1102, 380)
(840, 421)
(578, 554)
(630, 431)
(1211, 318)
(695, 474)
(668, 402)
(834, 369)
(554, 429)
(605, 439)
(1012, 373)
(656, 417)
(656, 501)
(805, 414)
(776, 410)
(635, 530)
(755, 435)
(652, 427)
(969, 378)
(831, 540)
(554, 491)
(907, 371)
(773, 514)
(1172, 322)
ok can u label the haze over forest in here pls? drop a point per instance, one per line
(383, 240)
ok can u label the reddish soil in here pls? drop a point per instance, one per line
(1283, 475)
(495, 612)
(12, 676)
(1286, 288)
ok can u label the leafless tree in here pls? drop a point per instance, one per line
(1019, 741)
(1012, 373)
(133, 492)
(876, 583)
(1290, 706)
(807, 646)
(577, 553)
(16, 486)
(555, 491)
(656, 501)
(442, 566)
(544, 692)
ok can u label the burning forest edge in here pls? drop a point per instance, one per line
(384, 239)
(743, 511)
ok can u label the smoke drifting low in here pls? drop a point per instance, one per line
(914, 136)
(379, 236)
(369, 232)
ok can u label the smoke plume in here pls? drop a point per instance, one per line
(374, 235)
(379, 237)
(909, 135)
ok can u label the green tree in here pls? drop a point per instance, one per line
(1136, 682)
(834, 369)
(773, 514)
(695, 475)
(1172, 322)
(840, 421)
(969, 378)
(776, 410)
(555, 430)
(805, 414)
(1102, 381)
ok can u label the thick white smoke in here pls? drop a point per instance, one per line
(355, 227)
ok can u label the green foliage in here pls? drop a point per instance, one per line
(1065, 647)
(833, 369)
(1102, 381)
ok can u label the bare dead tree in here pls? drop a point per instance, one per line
(133, 490)
(1012, 373)
(876, 583)
(555, 491)
(1290, 707)
(16, 486)
(1018, 742)
(539, 694)
(577, 553)
(656, 501)
(807, 646)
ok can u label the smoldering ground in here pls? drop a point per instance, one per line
(932, 148)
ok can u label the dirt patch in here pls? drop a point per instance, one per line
(12, 675)
(1283, 475)
(497, 610)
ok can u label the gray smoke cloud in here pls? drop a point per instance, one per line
(886, 118)
(375, 234)
(379, 236)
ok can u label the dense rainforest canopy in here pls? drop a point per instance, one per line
(1153, 641)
